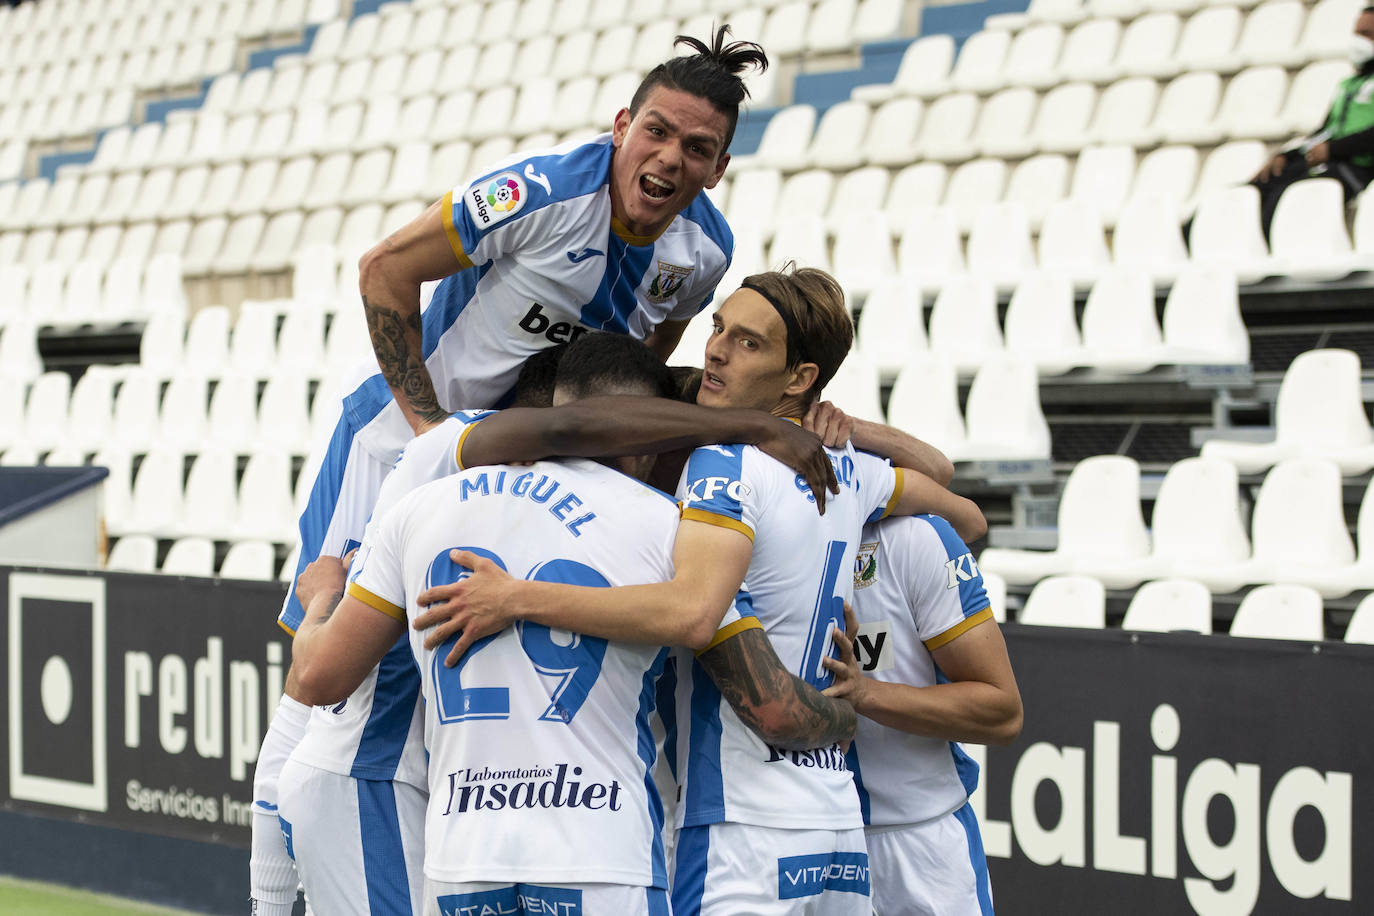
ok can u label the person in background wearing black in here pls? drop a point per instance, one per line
(1344, 147)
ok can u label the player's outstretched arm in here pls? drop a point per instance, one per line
(603, 427)
(389, 278)
(774, 703)
(709, 565)
(836, 428)
(921, 495)
(981, 703)
(340, 639)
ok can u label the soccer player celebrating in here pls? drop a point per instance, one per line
(611, 234)
(767, 826)
(925, 666)
(540, 740)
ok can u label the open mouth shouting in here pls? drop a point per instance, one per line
(656, 188)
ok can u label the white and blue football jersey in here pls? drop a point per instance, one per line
(378, 732)
(796, 585)
(541, 751)
(916, 588)
(546, 261)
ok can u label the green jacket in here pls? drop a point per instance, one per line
(1350, 123)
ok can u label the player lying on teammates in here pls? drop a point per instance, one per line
(539, 741)
(764, 828)
(360, 763)
(612, 234)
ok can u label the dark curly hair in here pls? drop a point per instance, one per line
(711, 72)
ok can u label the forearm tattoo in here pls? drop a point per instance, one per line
(749, 675)
(402, 366)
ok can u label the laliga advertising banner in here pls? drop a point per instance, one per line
(137, 701)
(1178, 773)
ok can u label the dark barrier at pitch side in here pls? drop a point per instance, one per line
(135, 703)
(1177, 773)
(1157, 773)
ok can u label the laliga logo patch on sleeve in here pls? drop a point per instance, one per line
(493, 200)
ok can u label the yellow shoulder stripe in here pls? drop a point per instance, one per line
(376, 603)
(282, 624)
(731, 630)
(897, 486)
(721, 521)
(959, 629)
(458, 452)
(451, 231)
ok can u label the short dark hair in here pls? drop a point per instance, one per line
(599, 362)
(688, 380)
(713, 73)
(815, 302)
(534, 385)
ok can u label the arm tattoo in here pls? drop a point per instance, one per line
(750, 676)
(331, 606)
(402, 367)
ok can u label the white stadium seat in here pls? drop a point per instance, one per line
(923, 71)
(1003, 415)
(1280, 612)
(1226, 233)
(1100, 526)
(930, 252)
(963, 322)
(925, 403)
(999, 244)
(1319, 413)
(1202, 323)
(1170, 605)
(979, 65)
(190, 556)
(1040, 325)
(1308, 237)
(1066, 601)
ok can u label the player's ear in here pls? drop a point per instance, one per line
(719, 172)
(803, 377)
(621, 126)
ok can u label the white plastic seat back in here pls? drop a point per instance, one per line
(837, 143)
(1319, 403)
(1226, 233)
(1032, 56)
(930, 252)
(891, 329)
(1041, 324)
(920, 185)
(1280, 612)
(1169, 173)
(155, 497)
(1003, 414)
(893, 132)
(999, 244)
(265, 502)
(45, 414)
(1202, 321)
(1102, 177)
(925, 403)
(963, 322)
(1066, 601)
(1308, 237)
(190, 556)
(210, 502)
(1298, 518)
(1036, 184)
(979, 65)
(1147, 236)
(1361, 626)
(855, 388)
(1071, 242)
(996, 588)
(1090, 49)
(253, 560)
(133, 553)
(1197, 519)
(1169, 605)
(1099, 511)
